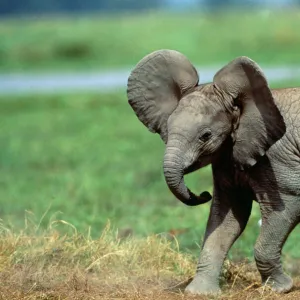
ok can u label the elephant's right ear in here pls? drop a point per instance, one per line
(260, 122)
(156, 85)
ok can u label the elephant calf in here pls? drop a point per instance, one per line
(250, 135)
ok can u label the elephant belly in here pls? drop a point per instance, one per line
(276, 177)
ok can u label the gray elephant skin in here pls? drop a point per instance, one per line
(249, 133)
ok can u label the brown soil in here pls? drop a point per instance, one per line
(240, 281)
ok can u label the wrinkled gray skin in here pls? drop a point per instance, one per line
(251, 136)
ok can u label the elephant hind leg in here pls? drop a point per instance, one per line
(275, 229)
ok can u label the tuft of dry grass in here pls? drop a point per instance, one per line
(52, 265)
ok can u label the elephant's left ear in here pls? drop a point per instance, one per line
(157, 84)
(261, 123)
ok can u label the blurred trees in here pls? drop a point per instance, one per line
(48, 6)
(52, 6)
(219, 3)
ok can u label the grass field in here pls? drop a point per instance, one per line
(97, 41)
(71, 164)
(51, 265)
(86, 159)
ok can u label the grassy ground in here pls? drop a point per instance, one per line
(48, 265)
(98, 41)
(90, 158)
(86, 158)
(70, 163)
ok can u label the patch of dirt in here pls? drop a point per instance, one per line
(53, 266)
(240, 282)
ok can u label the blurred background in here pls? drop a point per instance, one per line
(72, 148)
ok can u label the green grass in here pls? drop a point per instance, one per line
(98, 41)
(88, 157)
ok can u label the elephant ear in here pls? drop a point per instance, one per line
(156, 85)
(260, 124)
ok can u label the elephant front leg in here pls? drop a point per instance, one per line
(227, 220)
(277, 223)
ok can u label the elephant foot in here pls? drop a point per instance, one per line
(281, 283)
(200, 286)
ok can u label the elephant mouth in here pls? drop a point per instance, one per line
(198, 164)
(193, 167)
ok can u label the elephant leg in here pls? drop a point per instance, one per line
(276, 226)
(228, 217)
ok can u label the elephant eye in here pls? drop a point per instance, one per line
(205, 136)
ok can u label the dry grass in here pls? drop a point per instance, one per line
(51, 265)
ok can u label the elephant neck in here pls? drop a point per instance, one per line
(223, 157)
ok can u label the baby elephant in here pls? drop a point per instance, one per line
(250, 135)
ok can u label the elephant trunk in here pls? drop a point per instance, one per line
(174, 176)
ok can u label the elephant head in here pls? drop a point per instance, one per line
(195, 121)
